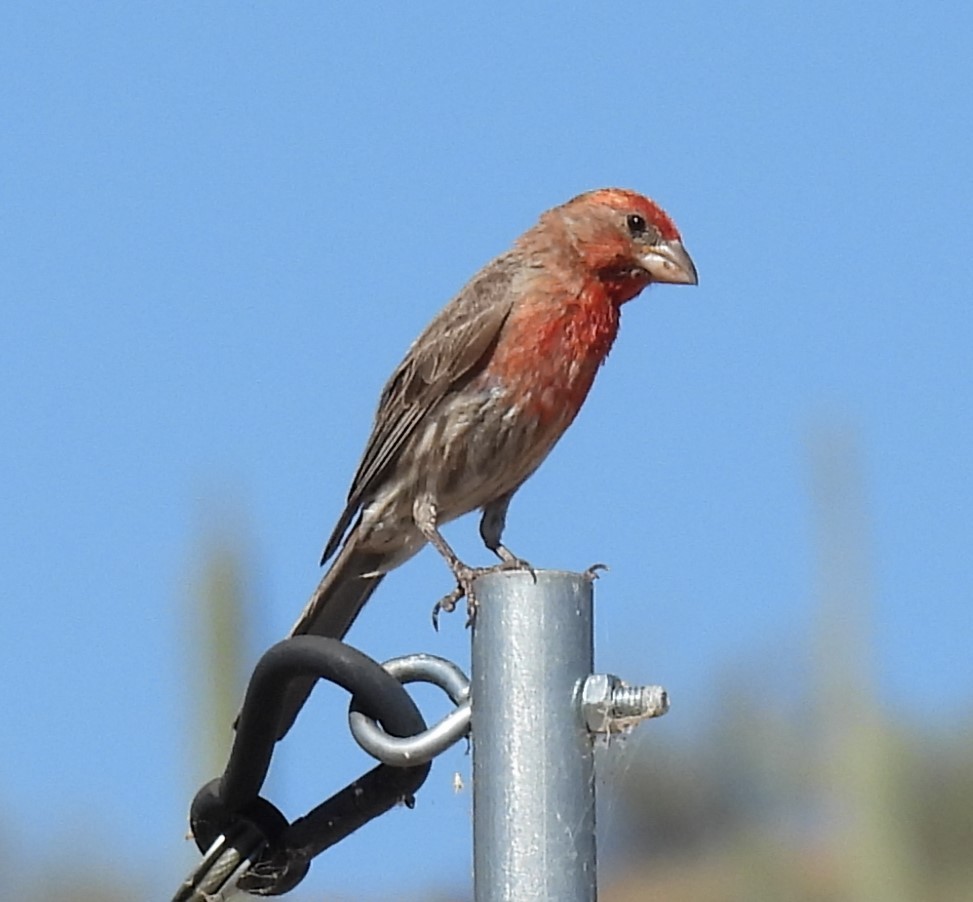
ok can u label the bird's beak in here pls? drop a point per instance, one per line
(668, 261)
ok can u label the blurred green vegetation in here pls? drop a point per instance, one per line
(218, 615)
(777, 804)
(810, 793)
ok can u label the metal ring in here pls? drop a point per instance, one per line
(424, 746)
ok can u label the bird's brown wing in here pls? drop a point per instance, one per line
(453, 347)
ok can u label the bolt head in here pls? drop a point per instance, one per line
(596, 701)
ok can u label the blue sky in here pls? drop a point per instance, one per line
(221, 225)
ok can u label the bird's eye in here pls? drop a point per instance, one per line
(636, 224)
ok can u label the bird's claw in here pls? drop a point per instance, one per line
(592, 571)
(516, 563)
(447, 603)
(465, 577)
(510, 561)
(464, 589)
(471, 608)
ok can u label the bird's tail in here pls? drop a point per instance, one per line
(342, 592)
(331, 610)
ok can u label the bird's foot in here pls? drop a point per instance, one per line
(510, 561)
(515, 563)
(465, 577)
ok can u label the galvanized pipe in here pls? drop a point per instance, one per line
(533, 762)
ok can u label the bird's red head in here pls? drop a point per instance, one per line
(623, 201)
(625, 240)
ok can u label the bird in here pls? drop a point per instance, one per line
(485, 392)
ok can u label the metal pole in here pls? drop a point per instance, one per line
(533, 762)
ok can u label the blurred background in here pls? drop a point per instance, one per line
(221, 225)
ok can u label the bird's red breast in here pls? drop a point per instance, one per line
(551, 347)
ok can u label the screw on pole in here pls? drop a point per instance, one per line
(536, 710)
(533, 761)
(612, 706)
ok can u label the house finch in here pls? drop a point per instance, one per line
(488, 388)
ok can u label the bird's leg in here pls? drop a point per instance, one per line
(425, 514)
(492, 523)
